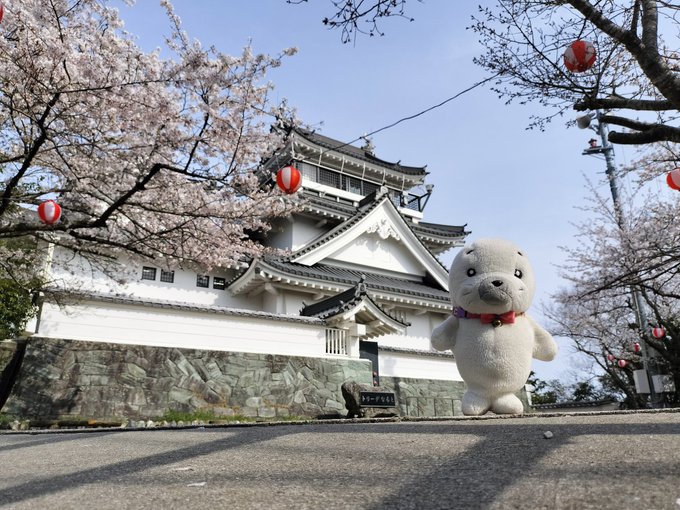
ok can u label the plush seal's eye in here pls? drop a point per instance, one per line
(471, 272)
(518, 273)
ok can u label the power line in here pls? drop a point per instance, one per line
(422, 112)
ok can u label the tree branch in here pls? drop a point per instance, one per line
(650, 105)
(28, 160)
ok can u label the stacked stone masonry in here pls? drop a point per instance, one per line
(60, 378)
(425, 397)
(101, 381)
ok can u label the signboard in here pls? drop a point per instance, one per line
(376, 399)
(663, 383)
(641, 381)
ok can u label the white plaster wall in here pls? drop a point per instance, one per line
(271, 302)
(76, 273)
(421, 343)
(281, 239)
(304, 230)
(372, 251)
(394, 364)
(139, 325)
(293, 302)
(296, 233)
(420, 324)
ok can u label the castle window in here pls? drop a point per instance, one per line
(148, 273)
(167, 276)
(369, 187)
(308, 171)
(202, 281)
(351, 184)
(329, 178)
(219, 283)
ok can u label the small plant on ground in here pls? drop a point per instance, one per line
(5, 420)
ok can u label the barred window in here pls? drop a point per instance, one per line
(396, 198)
(369, 187)
(329, 178)
(219, 283)
(167, 276)
(351, 184)
(307, 170)
(148, 273)
(202, 281)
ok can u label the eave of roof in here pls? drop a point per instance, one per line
(172, 305)
(344, 301)
(356, 152)
(439, 230)
(436, 237)
(325, 279)
(417, 352)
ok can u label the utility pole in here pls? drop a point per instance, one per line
(607, 150)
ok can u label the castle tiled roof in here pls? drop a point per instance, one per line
(358, 153)
(435, 237)
(189, 307)
(343, 301)
(373, 281)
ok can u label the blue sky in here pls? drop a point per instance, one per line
(489, 172)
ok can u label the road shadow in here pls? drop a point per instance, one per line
(475, 477)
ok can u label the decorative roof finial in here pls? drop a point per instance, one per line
(368, 144)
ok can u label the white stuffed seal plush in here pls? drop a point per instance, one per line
(493, 339)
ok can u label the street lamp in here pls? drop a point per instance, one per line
(607, 150)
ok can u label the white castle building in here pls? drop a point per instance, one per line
(361, 280)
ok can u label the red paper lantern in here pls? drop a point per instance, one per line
(289, 179)
(673, 179)
(2, 11)
(658, 332)
(622, 363)
(49, 212)
(610, 357)
(636, 347)
(579, 56)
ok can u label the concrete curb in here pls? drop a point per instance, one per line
(93, 428)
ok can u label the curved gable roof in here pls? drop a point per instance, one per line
(357, 303)
(349, 230)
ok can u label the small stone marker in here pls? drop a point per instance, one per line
(547, 434)
(366, 401)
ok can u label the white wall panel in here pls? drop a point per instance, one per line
(396, 364)
(106, 322)
(421, 343)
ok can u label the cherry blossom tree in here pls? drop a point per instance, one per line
(635, 80)
(150, 156)
(354, 17)
(636, 71)
(597, 311)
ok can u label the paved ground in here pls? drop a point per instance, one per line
(600, 461)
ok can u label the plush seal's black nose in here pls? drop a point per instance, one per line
(497, 283)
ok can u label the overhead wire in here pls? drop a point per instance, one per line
(422, 112)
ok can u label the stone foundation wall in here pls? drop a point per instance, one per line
(426, 397)
(11, 355)
(91, 380)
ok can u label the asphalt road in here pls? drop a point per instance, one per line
(600, 461)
